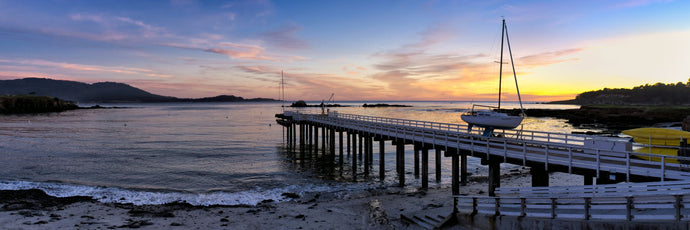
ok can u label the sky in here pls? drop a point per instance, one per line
(355, 50)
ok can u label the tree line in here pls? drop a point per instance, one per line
(656, 94)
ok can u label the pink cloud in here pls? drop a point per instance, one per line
(284, 38)
(636, 3)
(80, 67)
(548, 58)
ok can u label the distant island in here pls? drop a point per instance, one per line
(383, 105)
(657, 94)
(102, 92)
(302, 104)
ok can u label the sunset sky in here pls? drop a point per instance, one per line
(358, 50)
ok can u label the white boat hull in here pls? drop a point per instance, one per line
(496, 122)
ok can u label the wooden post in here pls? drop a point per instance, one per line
(332, 142)
(302, 136)
(416, 160)
(361, 138)
(540, 177)
(309, 136)
(340, 141)
(425, 167)
(494, 175)
(438, 165)
(588, 179)
(678, 206)
(316, 140)
(371, 150)
(349, 136)
(354, 157)
(588, 205)
(294, 136)
(323, 140)
(628, 208)
(455, 174)
(382, 159)
(463, 169)
(400, 158)
(367, 142)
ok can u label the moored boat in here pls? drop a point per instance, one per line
(490, 119)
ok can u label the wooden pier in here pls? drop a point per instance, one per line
(606, 160)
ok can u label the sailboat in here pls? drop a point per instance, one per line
(490, 119)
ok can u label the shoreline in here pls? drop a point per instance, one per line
(368, 209)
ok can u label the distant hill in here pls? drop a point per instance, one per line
(102, 92)
(657, 94)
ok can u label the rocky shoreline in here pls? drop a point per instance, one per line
(369, 209)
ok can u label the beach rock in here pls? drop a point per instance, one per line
(377, 213)
(135, 223)
(34, 199)
(290, 195)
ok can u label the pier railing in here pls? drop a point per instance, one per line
(630, 202)
(570, 150)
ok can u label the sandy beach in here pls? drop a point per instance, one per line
(374, 209)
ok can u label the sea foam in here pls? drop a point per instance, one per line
(136, 197)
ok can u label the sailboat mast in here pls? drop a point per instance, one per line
(282, 89)
(500, 68)
(510, 51)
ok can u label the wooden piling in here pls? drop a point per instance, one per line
(400, 158)
(366, 153)
(349, 136)
(425, 167)
(332, 143)
(340, 145)
(416, 161)
(382, 159)
(354, 157)
(463, 169)
(455, 174)
(323, 140)
(438, 165)
(494, 175)
(540, 177)
(360, 147)
(316, 139)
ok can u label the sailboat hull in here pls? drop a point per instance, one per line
(496, 122)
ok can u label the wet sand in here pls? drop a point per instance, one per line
(373, 209)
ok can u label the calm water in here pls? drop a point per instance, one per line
(203, 153)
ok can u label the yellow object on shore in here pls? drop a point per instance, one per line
(658, 151)
(659, 136)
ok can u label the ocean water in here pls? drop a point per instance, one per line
(200, 153)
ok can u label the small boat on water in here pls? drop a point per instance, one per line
(490, 119)
(662, 141)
